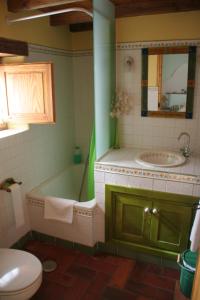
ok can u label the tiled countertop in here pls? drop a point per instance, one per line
(123, 161)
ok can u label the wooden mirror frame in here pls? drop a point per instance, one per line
(191, 50)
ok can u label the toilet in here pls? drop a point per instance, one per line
(20, 274)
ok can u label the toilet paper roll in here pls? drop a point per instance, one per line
(17, 204)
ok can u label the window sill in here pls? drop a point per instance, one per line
(12, 131)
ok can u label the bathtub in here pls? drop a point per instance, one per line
(65, 184)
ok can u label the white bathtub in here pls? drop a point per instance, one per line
(66, 185)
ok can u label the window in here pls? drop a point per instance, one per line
(26, 93)
(26, 90)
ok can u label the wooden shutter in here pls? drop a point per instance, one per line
(28, 92)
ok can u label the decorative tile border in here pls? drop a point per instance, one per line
(47, 50)
(80, 211)
(147, 173)
(60, 52)
(119, 46)
(80, 53)
(150, 44)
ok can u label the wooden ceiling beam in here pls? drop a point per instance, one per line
(21, 5)
(146, 7)
(84, 4)
(73, 17)
(124, 8)
(13, 47)
(78, 27)
(69, 18)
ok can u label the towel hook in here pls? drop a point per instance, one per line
(7, 183)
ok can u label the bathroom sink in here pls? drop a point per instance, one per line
(163, 159)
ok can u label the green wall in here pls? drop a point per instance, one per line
(104, 71)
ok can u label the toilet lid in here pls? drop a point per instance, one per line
(18, 269)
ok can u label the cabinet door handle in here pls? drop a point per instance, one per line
(147, 210)
(155, 211)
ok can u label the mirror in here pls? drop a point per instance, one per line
(168, 81)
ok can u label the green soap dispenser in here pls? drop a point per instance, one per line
(77, 155)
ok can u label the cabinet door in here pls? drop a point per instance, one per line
(170, 226)
(28, 92)
(131, 223)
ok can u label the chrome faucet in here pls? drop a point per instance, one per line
(186, 149)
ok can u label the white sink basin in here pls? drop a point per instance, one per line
(163, 159)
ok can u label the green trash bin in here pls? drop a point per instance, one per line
(187, 264)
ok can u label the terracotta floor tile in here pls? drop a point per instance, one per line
(115, 260)
(44, 251)
(124, 260)
(99, 283)
(112, 259)
(164, 295)
(163, 271)
(98, 265)
(65, 262)
(121, 274)
(50, 291)
(141, 297)
(32, 245)
(63, 279)
(159, 281)
(82, 271)
(118, 294)
(78, 290)
(156, 269)
(82, 259)
(141, 289)
(139, 270)
(102, 277)
(171, 273)
(90, 296)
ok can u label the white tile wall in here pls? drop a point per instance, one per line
(99, 226)
(35, 155)
(117, 179)
(80, 231)
(99, 187)
(99, 176)
(179, 188)
(196, 190)
(159, 185)
(143, 183)
(146, 132)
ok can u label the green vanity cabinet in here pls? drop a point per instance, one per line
(130, 221)
(170, 225)
(148, 221)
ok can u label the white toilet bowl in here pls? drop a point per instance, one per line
(20, 274)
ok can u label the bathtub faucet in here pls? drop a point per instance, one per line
(186, 149)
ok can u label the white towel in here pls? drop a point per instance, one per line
(59, 209)
(195, 233)
(17, 204)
